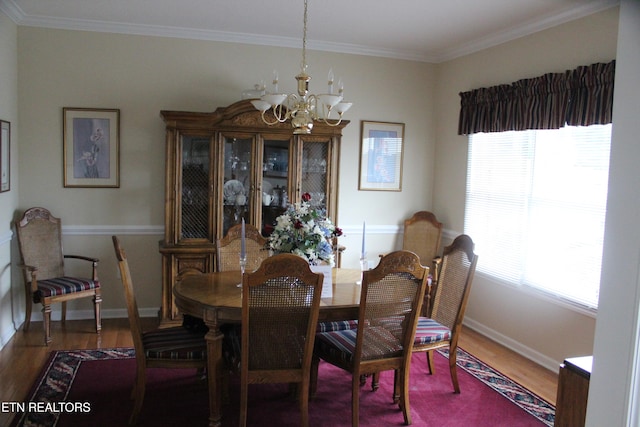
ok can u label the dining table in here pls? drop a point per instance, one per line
(216, 298)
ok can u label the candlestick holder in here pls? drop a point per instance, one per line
(243, 264)
(364, 265)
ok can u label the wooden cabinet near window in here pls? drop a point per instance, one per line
(573, 391)
(228, 165)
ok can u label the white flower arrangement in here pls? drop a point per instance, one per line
(306, 232)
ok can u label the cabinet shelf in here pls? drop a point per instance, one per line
(273, 174)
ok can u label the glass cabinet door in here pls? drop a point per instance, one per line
(238, 182)
(275, 181)
(194, 195)
(314, 172)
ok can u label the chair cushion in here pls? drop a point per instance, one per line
(429, 331)
(340, 345)
(174, 343)
(65, 285)
(337, 326)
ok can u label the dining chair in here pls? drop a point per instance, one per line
(173, 347)
(43, 269)
(443, 328)
(390, 300)
(423, 235)
(228, 249)
(280, 305)
(228, 259)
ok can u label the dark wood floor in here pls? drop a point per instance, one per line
(24, 356)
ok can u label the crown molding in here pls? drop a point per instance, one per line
(526, 29)
(15, 13)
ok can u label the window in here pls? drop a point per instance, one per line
(535, 207)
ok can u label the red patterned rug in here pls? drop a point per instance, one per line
(92, 388)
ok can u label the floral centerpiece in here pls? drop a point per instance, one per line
(305, 231)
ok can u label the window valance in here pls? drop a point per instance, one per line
(579, 97)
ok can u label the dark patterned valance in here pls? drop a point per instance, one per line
(583, 96)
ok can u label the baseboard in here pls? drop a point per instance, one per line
(511, 344)
(5, 335)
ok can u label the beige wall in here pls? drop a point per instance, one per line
(545, 330)
(8, 199)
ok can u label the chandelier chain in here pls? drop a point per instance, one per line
(304, 39)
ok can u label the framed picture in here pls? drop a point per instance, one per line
(381, 156)
(91, 140)
(5, 156)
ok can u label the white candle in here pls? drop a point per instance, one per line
(363, 237)
(242, 242)
(275, 81)
(330, 81)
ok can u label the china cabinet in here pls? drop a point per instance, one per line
(229, 165)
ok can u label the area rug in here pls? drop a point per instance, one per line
(93, 388)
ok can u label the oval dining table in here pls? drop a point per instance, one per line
(217, 299)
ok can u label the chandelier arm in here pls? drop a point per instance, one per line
(326, 113)
(293, 99)
(280, 113)
(330, 123)
(267, 122)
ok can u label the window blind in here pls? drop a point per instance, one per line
(536, 204)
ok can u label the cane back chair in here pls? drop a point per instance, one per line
(390, 300)
(280, 305)
(174, 347)
(43, 269)
(423, 235)
(228, 249)
(443, 328)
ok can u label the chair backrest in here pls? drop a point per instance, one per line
(280, 304)
(456, 275)
(132, 306)
(390, 301)
(40, 243)
(423, 235)
(228, 249)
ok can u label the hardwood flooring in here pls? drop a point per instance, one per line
(534, 377)
(24, 356)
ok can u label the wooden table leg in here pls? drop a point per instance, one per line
(214, 373)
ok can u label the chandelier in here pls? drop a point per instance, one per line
(302, 107)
